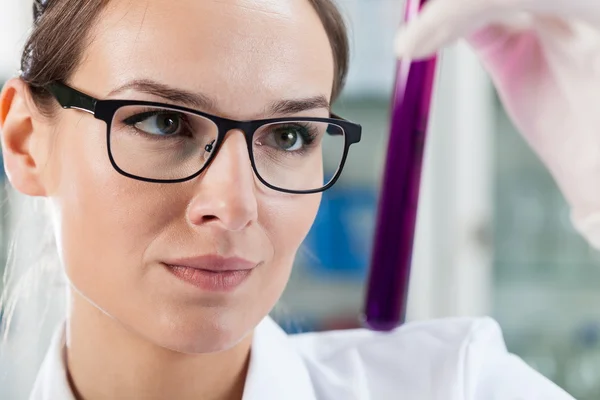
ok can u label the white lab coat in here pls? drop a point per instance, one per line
(447, 359)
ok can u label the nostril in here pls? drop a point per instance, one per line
(208, 218)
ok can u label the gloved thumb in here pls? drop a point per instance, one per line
(440, 23)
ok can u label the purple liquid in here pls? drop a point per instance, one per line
(385, 305)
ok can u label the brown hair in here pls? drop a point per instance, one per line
(61, 31)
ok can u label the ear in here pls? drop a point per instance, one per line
(18, 120)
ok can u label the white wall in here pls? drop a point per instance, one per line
(15, 19)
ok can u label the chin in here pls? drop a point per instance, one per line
(205, 335)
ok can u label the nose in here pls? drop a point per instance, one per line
(225, 193)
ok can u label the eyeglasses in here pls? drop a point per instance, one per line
(164, 143)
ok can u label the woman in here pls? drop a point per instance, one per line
(177, 226)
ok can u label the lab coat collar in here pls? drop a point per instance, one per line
(276, 370)
(52, 382)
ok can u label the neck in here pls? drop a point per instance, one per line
(105, 360)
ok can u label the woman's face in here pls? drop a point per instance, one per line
(116, 233)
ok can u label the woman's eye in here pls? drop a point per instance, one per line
(289, 139)
(165, 124)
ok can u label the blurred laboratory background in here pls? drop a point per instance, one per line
(493, 232)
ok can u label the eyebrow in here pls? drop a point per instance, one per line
(205, 103)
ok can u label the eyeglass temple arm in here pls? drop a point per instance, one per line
(335, 116)
(336, 132)
(68, 97)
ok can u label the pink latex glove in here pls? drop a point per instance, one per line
(544, 59)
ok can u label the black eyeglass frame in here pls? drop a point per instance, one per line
(70, 98)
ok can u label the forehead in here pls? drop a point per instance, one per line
(241, 53)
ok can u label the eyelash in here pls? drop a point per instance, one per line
(144, 114)
(308, 139)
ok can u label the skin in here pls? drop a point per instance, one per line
(134, 330)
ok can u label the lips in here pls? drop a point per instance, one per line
(211, 272)
(213, 263)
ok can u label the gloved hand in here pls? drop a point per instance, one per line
(544, 59)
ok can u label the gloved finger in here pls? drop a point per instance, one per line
(518, 57)
(517, 62)
(586, 11)
(509, 55)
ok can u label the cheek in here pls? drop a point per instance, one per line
(287, 222)
(99, 213)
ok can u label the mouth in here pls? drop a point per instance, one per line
(212, 273)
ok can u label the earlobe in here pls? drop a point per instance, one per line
(17, 130)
